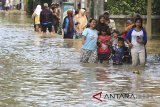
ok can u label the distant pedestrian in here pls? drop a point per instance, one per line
(68, 25)
(3, 4)
(7, 5)
(36, 18)
(56, 16)
(46, 19)
(81, 22)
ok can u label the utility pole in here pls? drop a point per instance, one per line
(95, 8)
(101, 7)
(98, 8)
(82, 3)
(149, 19)
(22, 5)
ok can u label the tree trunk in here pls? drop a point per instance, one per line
(98, 8)
(149, 19)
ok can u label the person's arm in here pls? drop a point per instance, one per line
(112, 25)
(83, 39)
(99, 42)
(144, 37)
(85, 23)
(41, 18)
(64, 25)
(84, 35)
(33, 15)
(128, 28)
(128, 38)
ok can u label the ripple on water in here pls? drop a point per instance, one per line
(45, 72)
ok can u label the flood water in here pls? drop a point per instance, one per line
(46, 72)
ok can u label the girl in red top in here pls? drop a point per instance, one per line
(104, 51)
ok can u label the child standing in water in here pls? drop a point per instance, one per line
(118, 52)
(104, 51)
(89, 43)
(114, 39)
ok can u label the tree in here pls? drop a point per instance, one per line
(156, 7)
(126, 7)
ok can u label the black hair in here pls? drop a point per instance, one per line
(92, 20)
(117, 32)
(105, 29)
(100, 17)
(121, 39)
(84, 9)
(88, 24)
(106, 13)
(141, 20)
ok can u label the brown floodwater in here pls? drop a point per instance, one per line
(46, 72)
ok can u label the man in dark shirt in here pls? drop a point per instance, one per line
(46, 19)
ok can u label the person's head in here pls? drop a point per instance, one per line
(57, 5)
(84, 9)
(92, 23)
(129, 22)
(82, 12)
(106, 14)
(103, 32)
(45, 5)
(120, 42)
(138, 22)
(70, 13)
(53, 4)
(136, 16)
(38, 7)
(101, 19)
(116, 34)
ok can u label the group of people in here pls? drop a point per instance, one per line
(101, 42)
(10, 4)
(78, 21)
(47, 18)
(74, 23)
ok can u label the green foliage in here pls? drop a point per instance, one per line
(126, 7)
(156, 7)
(29, 6)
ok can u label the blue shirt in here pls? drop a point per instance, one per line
(119, 53)
(91, 37)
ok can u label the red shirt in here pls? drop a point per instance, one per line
(103, 48)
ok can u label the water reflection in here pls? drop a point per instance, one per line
(45, 72)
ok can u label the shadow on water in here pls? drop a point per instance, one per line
(46, 72)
